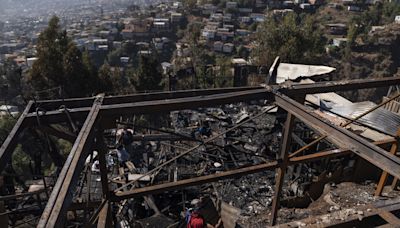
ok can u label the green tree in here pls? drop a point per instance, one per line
(189, 4)
(215, 2)
(294, 40)
(47, 71)
(60, 64)
(193, 32)
(390, 10)
(243, 52)
(120, 83)
(352, 33)
(6, 125)
(77, 75)
(11, 83)
(223, 73)
(105, 79)
(360, 25)
(148, 76)
(114, 56)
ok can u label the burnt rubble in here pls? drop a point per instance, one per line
(255, 142)
(137, 162)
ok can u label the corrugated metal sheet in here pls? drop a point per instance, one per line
(380, 119)
(288, 71)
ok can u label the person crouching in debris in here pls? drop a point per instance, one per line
(203, 130)
(195, 220)
(96, 166)
(127, 139)
(123, 156)
(194, 217)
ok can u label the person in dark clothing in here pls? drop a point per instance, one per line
(127, 140)
(122, 155)
(127, 137)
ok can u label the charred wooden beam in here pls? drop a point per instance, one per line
(297, 89)
(103, 150)
(193, 181)
(88, 101)
(283, 157)
(11, 141)
(105, 218)
(341, 137)
(162, 106)
(157, 106)
(384, 175)
(207, 98)
(61, 196)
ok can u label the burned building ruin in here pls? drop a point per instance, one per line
(293, 155)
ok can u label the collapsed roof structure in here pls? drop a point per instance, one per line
(276, 135)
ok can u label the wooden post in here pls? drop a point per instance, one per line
(105, 216)
(384, 176)
(102, 153)
(285, 146)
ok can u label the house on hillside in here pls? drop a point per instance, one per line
(231, 5)
(208, 9)
(337, 29)
(257, 17)
(397, 19)
(316, 2)
(354, 8)
(209, 33)
(228, 48)
(218, 46)
(176, 18)
(339, 41)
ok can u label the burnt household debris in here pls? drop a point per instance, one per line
(294, 152)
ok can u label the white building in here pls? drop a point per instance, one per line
(231, 5)
(245, 19)
(228, 48)
(158, 44)
(242, 32)
(218, 46)
(176, 17)
(124, 60)
(338, 41)
(177, 5)
(161, 24)
(257, 17)
(209, 34)
(397, 19)
(305, 6)
(30, 61)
